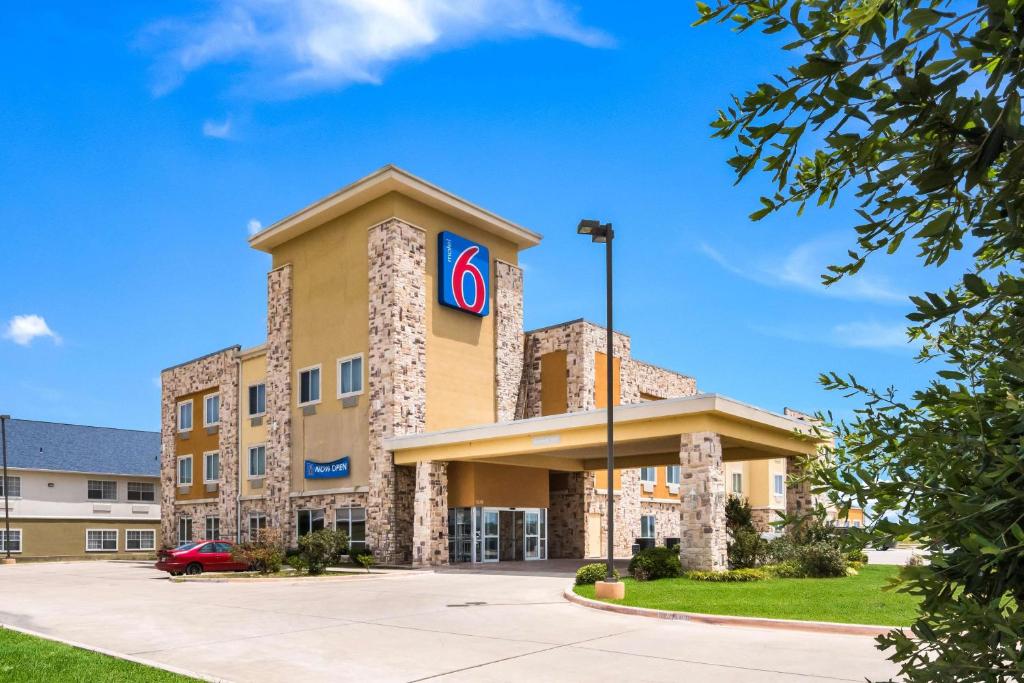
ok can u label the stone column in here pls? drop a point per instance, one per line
(799, 499)
(277, 483)
(397, 363)
(567, 524)
(430, 515)
(508, 338)
(702, 493)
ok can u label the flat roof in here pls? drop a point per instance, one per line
(389, 179)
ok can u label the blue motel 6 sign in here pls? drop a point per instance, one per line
(463, 274)
(327, 470)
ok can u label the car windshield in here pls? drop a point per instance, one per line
(186, 546)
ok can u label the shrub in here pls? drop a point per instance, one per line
(820, 560)
(731, 576)
(320, 548)
(354, 555)
(747, 549)
(738, 515)
(858, 556)
(264, 554)
(780, 549)
(655, 563)
(783, 570)
(296, 562)
(591, 573)
(367, 561)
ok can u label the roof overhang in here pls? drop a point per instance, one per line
(645, 434)
(377, 184)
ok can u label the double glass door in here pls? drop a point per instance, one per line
(486, 534)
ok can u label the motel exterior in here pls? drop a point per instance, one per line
(398, 397)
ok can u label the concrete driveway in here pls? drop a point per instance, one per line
(406, 626)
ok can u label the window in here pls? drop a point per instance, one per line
(184, 530)
(13, 487)
(211, 467)
(350, 376)
(257, 462)
(212, 528)
(141, 490)
(211, 410)
(353, 522)
(139, 539)
(102, 490)
(309, 385)
(100, 540)
(310, 520)
(648, 475)
(257, 400)
(185, 470)
(12, 542)
(780, 485)
(647, 526)
(737, 482)
(185, 416)
(257, 522)
(672, 475)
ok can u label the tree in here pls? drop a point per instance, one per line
(913, 108)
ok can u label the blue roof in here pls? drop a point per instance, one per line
(77, 448)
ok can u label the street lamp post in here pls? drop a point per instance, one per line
(603, 233)
(7, 508)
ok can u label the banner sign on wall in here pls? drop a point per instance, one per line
(327, 470)
(463, 274)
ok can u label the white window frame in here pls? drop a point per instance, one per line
(101, 550)
(191, 528)
(737, 490)
(21, 540)
(142, 534)
(191, 413)
(11, 478)
(191, 471)
(679, 474)
(362, 374)
(649, 481)
(206, 528)
(779, 481)
(654, 526)
(206, 409)
(347, 521)
(248, 408)
(101, 481)
(206, 469)
(320, 385)
(310, 511)
(128, 492)
(249, 460)
(256, 516)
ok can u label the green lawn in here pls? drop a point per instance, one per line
(27, 658)
(851, 600)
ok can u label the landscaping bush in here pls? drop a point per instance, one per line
(780, 549)
(783, 570)
(354, 555)
(820, 560)
(297, 563)
(738, 514)
(264, 554)
(591, 573)
(730, 576)
(857, 556)
(320, 548)
(655, 563)
(747, 549)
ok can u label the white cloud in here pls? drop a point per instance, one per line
(802, 267)
(23, 329)
(253, 226)
(296, 45)
(871, 335)
(221, 131)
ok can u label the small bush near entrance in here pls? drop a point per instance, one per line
(730, 576)
(746, 548)
(655, 563)
(264, 554)
(321, 548)
(820, 560)
(357, 556)
(590, 574)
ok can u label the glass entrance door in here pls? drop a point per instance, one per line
(532, 535)
(491, 535)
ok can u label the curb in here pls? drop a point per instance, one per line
(115, 655)
(728, 620)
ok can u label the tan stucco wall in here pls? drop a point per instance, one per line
(601, 380)
(196, 444)
(472, 484)
(254, 371)
(554, 394)
(56, 538)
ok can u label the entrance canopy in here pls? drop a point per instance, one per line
(646, 434)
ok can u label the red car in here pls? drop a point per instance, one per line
(198, 557)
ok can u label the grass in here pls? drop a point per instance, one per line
(27, 658)
(850, 600)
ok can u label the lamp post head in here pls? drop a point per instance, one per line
(599, 232)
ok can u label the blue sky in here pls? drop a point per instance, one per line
(140, 144)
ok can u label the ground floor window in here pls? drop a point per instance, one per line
(139, 539)
(647, 526)
(184, 530)
(257, 522)
(212, 528)
(310, 520)
(353, 522)
(737, 483)
(11, 542)
(100, 540)
(780, 485)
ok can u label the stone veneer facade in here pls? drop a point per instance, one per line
(702, 509)
(277, 483)
(508, 321)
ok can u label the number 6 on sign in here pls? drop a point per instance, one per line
(463, 274)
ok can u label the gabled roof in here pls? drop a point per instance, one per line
(377, 184)
(77, 448)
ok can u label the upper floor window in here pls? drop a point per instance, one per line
(648, 475)
(350, 375)
(257, 399)
(211, 410)
(309, 385)
(257, 461)
(211, 467)
(647, 526)
(780, 485)
(737, 482)
(142, 491)
(185, 470)
(102, 490)
(672, 475)
(12, 488)
(185, 416)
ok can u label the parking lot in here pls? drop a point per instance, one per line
(405, 626)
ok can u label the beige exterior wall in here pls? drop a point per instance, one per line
(54, 539)
(254, 430)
